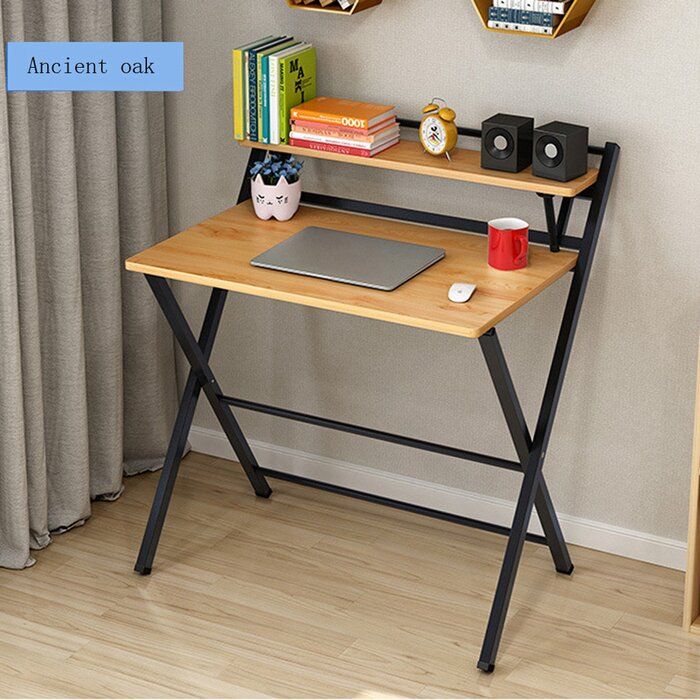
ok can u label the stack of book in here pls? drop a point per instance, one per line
(344, 126)
(270, 76)
(533, 16)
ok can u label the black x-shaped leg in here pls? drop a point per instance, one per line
(517, 426)
(533, 490)
(200, 377)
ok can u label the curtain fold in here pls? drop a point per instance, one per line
(87, 365)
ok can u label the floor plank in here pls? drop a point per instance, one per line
(312, 594)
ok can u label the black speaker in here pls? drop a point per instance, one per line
(560, 151)
(506, 143)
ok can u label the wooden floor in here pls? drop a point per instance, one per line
(311, 594)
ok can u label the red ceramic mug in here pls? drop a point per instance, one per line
(508, 240)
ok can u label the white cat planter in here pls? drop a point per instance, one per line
(280, 201)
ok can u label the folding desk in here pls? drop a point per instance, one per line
(217, 252)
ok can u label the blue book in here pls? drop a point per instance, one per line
(253, 84)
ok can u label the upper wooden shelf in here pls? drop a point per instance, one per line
(577, 12)
(217, 253)
(409, 157)
(332, 6)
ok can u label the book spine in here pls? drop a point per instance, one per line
(246, 94)
(343, 150)
(265, 112)
(283, 119)
(253, 95)
(238, 102)
(274, 100)
(330, 119)
(344, 134)
(331, 148)
(368, 142)
(556, 7)
(515, 27)
(259, 88)
(346, 131)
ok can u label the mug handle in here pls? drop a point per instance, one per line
(521, 255)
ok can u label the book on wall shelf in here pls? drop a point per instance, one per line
(270, 76)
(529, 16)
(348, 127)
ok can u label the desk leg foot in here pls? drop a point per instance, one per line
(567, 572)
(263, 490)
(145, 571)
(485, 666)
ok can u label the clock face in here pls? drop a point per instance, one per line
(433, 135)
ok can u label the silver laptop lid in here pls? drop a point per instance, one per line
(352, 258)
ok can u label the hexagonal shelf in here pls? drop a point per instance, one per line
(574, 16)
(333, 6)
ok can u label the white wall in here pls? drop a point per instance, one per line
(620, 451)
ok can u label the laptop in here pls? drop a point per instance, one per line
(351, 258)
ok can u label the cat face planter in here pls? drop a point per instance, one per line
(280, 201)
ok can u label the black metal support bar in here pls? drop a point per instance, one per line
(421, 217)
(555, 381)
(178, 439)
(200, 367)
(567, 204)
(551, 222)
(373, 434)
(400, 505)
(520, 434)
(255, 155)
(557, 225)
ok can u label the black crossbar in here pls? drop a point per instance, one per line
(373, 434)
(399, 505)
(413, 216)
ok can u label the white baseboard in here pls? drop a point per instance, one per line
(586, 533)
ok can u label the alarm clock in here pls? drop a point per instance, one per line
(438, 131)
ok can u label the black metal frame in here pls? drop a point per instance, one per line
(530, 450)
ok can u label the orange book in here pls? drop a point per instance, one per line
(344, 113)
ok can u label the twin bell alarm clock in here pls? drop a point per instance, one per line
(438, 131)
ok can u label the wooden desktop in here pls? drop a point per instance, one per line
(217, 253)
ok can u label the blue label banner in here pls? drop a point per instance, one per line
(84, 66)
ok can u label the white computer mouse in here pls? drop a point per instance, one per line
(461, 292)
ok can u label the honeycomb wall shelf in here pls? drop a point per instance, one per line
(332, 7)
(574, 16)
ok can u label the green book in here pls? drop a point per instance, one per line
(263, 88)
(297, 84)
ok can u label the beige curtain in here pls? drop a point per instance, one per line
(87, 387)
